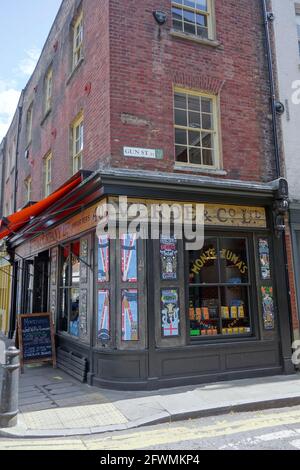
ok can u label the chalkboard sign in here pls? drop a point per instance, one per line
(36, 338)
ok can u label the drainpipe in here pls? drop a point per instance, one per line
(268, 17)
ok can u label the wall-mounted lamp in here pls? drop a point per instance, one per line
(160, 17)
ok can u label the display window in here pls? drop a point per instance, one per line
(219, 288)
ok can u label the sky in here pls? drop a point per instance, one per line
(24, 27)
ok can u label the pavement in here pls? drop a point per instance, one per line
(52, 404)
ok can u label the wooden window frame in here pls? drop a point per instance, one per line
(48, 89)
(215, 132)
(77, 41)
(209, 14)
(77, 156)
(28, 188)
(29, 119)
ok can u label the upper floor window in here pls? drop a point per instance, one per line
(193, 17)
(47, 174)
(29, 117)
(28, 186)
(78, 40)
(196, 128)
(77, 143)
(48, 89)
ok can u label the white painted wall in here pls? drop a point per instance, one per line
(288, 68)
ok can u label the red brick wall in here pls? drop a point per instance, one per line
(146, 65)
(70, 96)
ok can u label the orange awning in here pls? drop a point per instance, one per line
(16, 221)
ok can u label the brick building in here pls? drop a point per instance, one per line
(156, 101)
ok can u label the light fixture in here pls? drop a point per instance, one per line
(160, 17)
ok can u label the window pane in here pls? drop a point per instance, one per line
(194, 120)
(180, 101)
(170, 312)
(204, 264)
(130, 315)
(177, 13)
(206, 105)
(202, 32)
(208, 157)
(74, 313)
(180, 117)
(178, 25)
(189, 16)
(207, 122)
(103, 315)
(129, 257)
(206, 140)
(194, 103)
(195, 156)
(201, 20)
(233, 260)
(189, 28)
(189, 3)
(202, 5)
(181, 154)
(204, 311)
(235, 311)
(180, 137)
(194, 138)
(103, 258)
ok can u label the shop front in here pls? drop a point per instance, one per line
(147, 312)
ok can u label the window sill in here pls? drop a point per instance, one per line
(199, 169)
(192, 37)
(46, 115)
(74, 70)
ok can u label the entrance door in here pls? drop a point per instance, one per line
(40, 283)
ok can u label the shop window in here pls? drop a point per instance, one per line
(129, 258)
(219, 288)
(130, 320)
(103, 290)
(70, 289)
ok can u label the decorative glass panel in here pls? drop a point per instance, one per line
(168, 258)
(83, 311)
(129, 257)
(268, 307)
(84, 261)
(103, 315)
(103, 258)
(170, 312)
(264, 258)
(130, 315)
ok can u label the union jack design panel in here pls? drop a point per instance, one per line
(130, 315)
